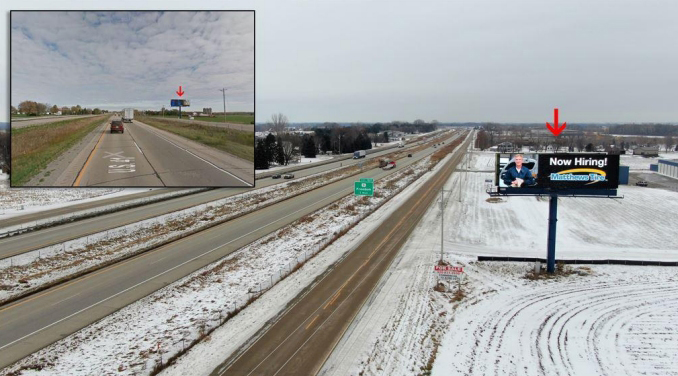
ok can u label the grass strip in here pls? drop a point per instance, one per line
(234, 118)
(34, 147)
(235, 142)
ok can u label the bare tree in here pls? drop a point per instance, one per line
(279, 123)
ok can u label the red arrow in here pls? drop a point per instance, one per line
(555, 129)
(180, 93)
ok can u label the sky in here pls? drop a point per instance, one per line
(113, 60)
(451, 61)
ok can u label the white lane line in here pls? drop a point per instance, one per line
(202, 159)
(166, 271)
(138, 148)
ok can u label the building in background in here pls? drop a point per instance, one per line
(668, 168)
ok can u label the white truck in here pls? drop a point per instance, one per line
(128, 115)
(401, 144)
(359, 154)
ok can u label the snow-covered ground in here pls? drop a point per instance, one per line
(17, 201)
(173, 317)
(636, 162)
(600, 320)
(304, 161)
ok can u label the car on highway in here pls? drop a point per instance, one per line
(641, 183)
(288, 176)
(276, 176)
(409, 155)
(117, 126)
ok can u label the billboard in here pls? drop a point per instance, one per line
(556, 171)
(180, 103)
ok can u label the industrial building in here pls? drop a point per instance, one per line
(668, 168)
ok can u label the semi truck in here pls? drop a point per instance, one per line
(128, 115)
(359, 154)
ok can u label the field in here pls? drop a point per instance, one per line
(33, 148)
(590, 320)
(235, 142)
(230, 118)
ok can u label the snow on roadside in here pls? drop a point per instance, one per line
(29, 271)
(304, 161)
(600, 320)
(18, 201)
(173, 317)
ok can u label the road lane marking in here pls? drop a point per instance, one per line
(89, 158)
(312, 321)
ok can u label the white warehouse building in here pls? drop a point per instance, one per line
(668, 168)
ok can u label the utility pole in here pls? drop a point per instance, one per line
(223, 91)
(442, 222)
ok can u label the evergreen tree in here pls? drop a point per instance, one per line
(270, 148)
(279, 152)
(260, 159)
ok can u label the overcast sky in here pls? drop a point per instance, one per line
(505, 61)
(113, 60)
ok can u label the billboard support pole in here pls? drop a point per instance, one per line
(179, 112)
(553, 219)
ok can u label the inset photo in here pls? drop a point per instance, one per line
(132, 99)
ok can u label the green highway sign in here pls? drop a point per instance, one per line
(367, 180)
(363, 188)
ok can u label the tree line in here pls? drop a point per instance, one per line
(32, 108)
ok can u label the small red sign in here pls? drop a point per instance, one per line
(448, 269)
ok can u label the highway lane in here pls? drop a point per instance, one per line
(26, 326)
(27, 122)
(145, 157)
(41, 238)
(302, 337)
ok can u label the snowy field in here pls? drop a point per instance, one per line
(599, 320)
(636, 162)
(304, 161)
(181, 313)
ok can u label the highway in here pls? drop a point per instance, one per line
(41, 238)
(27, 122)
(304, 335)
(144, 156)
(26, 326)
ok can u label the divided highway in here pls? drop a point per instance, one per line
(41, 238)
(302, 338)
(26, 325)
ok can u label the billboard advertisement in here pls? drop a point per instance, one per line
(180, 102)
(557, 171)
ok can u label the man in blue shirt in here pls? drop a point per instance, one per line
(519, 175)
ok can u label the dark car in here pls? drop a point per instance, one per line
(117, 126)
(641, 183)
(288, 176)
(275, 176)
(409, 155)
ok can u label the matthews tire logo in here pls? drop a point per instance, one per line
(590, 175)
(564, 171)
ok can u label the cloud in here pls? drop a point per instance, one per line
(136, 59)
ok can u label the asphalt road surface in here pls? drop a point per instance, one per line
(27, 122)
(42, 238)
(26, 325)
(303, 336)
(143, 156)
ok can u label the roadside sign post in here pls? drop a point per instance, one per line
(364, 187)
(450, 273)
